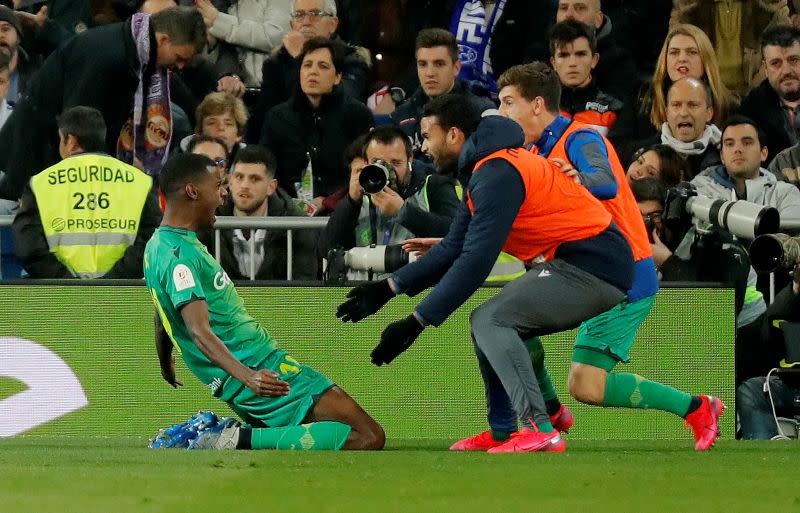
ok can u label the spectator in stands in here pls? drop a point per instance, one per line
(686, 52)
(494, 35)
(616, 70)
(734, 29)
(5, 107)
(309, 19)
(309, 132)
(212, 147)
(90, 215)
(242, 37)
(102, 68)
(254, 192)
(21, 66)
(574, 57)
(437, 68)
(775, 104)
(412, 205)
(786, 165)
(688, 128)
(657, 161)
(221, 115)
(741, 176)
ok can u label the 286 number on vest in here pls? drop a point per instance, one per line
(90, 201)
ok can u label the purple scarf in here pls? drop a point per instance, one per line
(144, 140)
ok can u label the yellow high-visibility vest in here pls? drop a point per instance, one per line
(90, 205)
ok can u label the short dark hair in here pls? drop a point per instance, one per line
(649, 189)
(567, 31)
(255, 154)
(335, 47)
(5, 61)
(433, 37)
(532, 80)
(453, 110)
(201, 138)
(673, 168)
(184, 26)
(779, 35)
(181, 169)
(387, 134)
(87, 125)
(738, 119)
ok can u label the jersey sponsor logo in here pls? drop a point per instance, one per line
(53, 389)
(182, 278)
(221, 279)
(215, 384)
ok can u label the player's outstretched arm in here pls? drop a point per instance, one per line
(164, 350)
(364, 300)
(263, 382)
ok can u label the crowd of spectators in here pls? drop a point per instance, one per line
(294, 97)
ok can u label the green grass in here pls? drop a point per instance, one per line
(49, 474)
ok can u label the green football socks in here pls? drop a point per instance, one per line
(536, 350)
(316, 436)
(633, 391)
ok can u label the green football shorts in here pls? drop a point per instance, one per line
(605, 340)
(306, 386)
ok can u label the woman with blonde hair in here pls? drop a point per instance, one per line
(687, 51)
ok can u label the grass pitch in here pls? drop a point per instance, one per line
(50, 474)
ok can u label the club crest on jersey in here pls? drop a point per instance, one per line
(221, 279)
(182, 278)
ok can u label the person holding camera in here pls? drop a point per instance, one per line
(390, 199)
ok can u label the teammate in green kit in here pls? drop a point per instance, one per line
(285, 405)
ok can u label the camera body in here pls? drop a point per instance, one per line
(374, 177)
(360, 262)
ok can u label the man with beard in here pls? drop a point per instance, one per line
(775, 104)
(20, 66)
(254, 192)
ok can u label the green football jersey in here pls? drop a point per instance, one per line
(178, 269)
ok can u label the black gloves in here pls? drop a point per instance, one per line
(365, 300)
(396, 338)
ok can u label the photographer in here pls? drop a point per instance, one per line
(756, 397)
(413, 204)
(684, 253)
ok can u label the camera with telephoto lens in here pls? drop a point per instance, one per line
(376, 259)
(741, 218)
(771, 252)
(374, 177)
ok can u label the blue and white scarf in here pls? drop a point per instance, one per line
(474, 36)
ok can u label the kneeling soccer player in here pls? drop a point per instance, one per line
(285, 404)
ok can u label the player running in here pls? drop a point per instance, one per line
(285, 404)
(530, 95)
(580, 264)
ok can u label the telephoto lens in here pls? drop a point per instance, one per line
(374, 177)
(771, 252)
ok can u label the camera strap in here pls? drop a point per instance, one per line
(373, 222)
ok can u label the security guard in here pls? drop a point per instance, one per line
(90, 215)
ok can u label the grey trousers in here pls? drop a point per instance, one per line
(552, 297)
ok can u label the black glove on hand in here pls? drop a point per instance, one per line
(365, 300)
(396, 338)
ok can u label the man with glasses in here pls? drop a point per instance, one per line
(309, 19)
